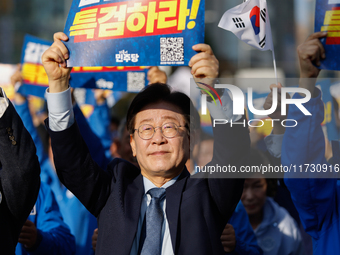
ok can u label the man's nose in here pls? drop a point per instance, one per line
(158, 136)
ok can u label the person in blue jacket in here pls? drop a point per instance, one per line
(315, 194)
(238, 237)
(45, 232)
(99, 120)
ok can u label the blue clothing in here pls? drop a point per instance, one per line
(278, 233)
(317, 200)
(80, 221)
(99, 122)
(54, 236)
(94, 141)
(245, 238)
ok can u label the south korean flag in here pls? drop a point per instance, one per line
(249, 21)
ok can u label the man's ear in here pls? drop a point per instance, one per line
(133, 145)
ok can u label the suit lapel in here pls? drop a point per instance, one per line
(173, 200)
(133, 199)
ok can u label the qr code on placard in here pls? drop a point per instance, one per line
(135, 81)
(172, 50)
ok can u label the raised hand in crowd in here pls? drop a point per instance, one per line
(17, 76)
(54, 61)
(204, 65)
(155, 75)
(16, 79)
(310, 53)
(99, 95)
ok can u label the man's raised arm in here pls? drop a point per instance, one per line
(314, 196)
(231, 144)
(75, 167)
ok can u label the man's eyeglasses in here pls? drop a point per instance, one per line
(146, 131)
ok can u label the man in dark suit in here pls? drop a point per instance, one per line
(19, 175)
(159, 208)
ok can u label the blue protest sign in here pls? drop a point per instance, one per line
(129, 79)
(35, 80)
(327, 19)
(133, 33)
(329, 115)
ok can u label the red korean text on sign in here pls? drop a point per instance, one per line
(133, 19)
(93, 69)
(332, 26)
(34, 74)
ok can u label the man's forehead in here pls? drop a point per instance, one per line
(146, 117)
(159, 112)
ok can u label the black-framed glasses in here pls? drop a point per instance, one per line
(147, 131)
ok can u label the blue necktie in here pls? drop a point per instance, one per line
(154, 220)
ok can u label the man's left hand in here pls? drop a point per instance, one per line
(204, 65)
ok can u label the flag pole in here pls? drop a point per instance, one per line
(274, 63)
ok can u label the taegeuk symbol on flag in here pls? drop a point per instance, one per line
(249, 21)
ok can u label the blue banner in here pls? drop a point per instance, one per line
(329, 115)
(129, 79)
(35, 81)
(134, 33)
(327, 19)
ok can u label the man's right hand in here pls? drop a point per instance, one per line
(54, 62)
(310, 53)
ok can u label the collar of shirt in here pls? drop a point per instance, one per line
(149, 185)
(3, 102)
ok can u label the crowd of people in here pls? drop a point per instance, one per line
(131, 188)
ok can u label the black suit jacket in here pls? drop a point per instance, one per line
(197, 209)
(19, 178)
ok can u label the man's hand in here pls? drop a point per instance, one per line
(204, 65)
(28, 235)
(310, 53)
(94, 239)
(156, 76)
(54, 62)
(228, 238)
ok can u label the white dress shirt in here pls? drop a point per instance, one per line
(3, 102)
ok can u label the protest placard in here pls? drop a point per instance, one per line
(326, 19)
(35, 80)
(133, 33)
